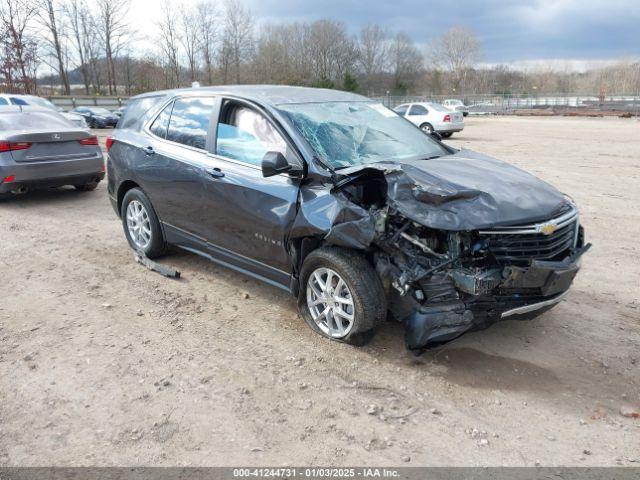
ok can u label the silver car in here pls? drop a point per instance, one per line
(33, 101)
(39, 148)
(456, 106)
(432, 117)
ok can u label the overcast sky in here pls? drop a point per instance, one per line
(510, 31)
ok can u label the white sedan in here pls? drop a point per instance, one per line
(432, 117)
(456, 106)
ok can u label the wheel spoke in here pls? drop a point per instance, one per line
(321, 284)
(343, 314)
(332, 322)
(329, 282)
(344, 301)
(315, 290)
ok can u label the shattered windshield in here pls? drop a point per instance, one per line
(356, 133)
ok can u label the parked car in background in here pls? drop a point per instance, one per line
(32, 100)
(335, 198)
(432, 117)
(456, 106)
(119, 111)
(40, 148)
(97, 117)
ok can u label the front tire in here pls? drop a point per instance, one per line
(446, 134)
(341, 296)
(141, 225)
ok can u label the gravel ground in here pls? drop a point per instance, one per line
(103, 362)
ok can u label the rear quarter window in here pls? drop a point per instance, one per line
(136, 110)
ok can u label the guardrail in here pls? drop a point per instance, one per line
(73, 101)
(503, 104)
(477, 103)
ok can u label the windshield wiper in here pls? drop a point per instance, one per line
(431, 158)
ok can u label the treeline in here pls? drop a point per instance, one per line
(93, 44)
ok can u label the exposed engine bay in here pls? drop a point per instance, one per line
(449, 258)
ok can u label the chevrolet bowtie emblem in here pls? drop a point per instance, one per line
(548, 228)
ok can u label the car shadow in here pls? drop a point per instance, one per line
(52, 196)
(462, 361)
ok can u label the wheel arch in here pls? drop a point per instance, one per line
(122, 191)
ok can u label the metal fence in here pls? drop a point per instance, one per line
(505, 104)
(477, 103)
(73, 101)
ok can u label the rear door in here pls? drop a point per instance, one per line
(170, 163)
(258, 211)
(418, 114)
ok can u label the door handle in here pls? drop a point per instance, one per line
(149, 150)
(215, 172)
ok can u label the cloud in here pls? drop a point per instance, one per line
(510, 31)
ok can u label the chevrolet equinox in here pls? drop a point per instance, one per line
(350, 207)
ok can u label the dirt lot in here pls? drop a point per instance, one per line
(105, 363)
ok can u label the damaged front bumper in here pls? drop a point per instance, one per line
(524, 293)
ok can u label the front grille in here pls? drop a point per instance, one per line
(521, 243)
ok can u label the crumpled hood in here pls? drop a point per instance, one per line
(466, 191)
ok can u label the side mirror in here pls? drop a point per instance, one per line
(436, 136)
(274, 163)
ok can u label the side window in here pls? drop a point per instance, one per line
(18, 101)
(401, 110)
(246, 136)
(3, 101)
(136, 109)
(190, 120)
(161, 123)
(418, 110)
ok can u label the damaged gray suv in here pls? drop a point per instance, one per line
(346, 205)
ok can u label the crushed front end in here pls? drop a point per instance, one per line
(459, 242)
(444, 283)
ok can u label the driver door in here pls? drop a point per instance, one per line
(257, 211)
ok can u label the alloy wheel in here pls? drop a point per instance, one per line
(138, 224)
(330, 303)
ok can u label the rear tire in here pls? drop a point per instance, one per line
(86, 187)
(141, 225)
(354, 283)
(427, 128)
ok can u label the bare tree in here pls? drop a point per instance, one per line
(207, 34)
(111, 20)
(373, 47)
(169, 39)
(19, 51)
(237, 41)
(77, 15)
(456, 52)
(189, 38)
(406, 62)
(48, 14)
(331, 51)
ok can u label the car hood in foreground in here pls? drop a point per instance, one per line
(465, 191)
